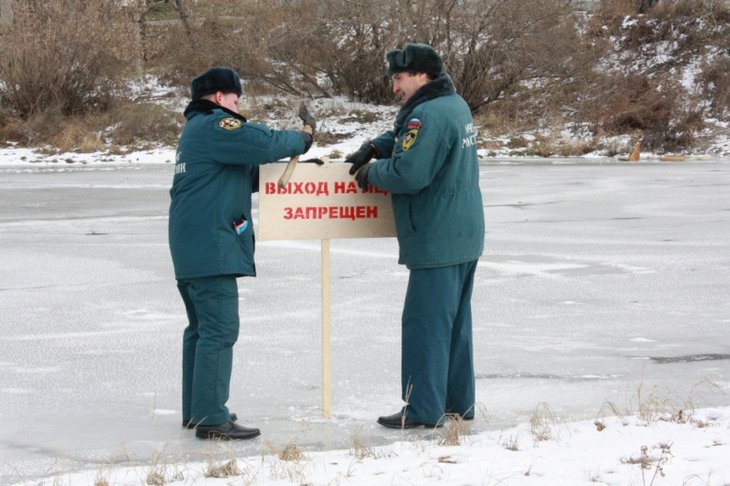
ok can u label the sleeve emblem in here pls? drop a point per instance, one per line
(229, 123)
(412, 127)
(410, 138)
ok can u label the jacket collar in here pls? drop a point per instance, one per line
(441, 86)
(207, 106)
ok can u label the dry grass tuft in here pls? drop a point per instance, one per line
(653, 406)
(650, 407)
(222, 470)
(542, 423)
(101, 480)
(511, 444)
(610, 408)
(156, 476)
(289, 463)
(361, 451)
(594, 477)
(292, 452)
(454, 431)
(655, 458)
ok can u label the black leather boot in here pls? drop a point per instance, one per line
(400, 420)
(226, 431)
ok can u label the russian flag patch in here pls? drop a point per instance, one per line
(414, 123)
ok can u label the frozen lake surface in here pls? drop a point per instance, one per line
(602, 283)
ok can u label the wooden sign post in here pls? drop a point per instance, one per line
(321, 202)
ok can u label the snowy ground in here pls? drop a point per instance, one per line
(602, 295)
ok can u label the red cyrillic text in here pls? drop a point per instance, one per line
(331, 212)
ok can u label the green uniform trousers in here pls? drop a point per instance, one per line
(437, 363)
(212, 307)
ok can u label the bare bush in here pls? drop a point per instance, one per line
(337, 47)
(355, 38)
(63, 55)
(636, 104)
(492, 49)
(65, 134)
(11, 128)
(519, 65)
(716, 85)
(135, 123)
(687, 8)
(609, 9)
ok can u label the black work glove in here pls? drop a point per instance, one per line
(308, 139)
(310, 123)
(361, 176)
(312, 161)
(361, 157)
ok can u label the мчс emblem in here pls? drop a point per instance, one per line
(229, 123)
(409, 139)
(413, 125)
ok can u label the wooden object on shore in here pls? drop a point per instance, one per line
(636, 153)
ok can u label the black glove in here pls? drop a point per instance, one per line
(310, 124)
(307, 137)
(361, 157)
(312, 161)
(361, 176)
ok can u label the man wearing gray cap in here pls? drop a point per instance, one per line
(428, 162)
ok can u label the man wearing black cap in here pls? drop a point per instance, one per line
(428, 162)
(212, 241)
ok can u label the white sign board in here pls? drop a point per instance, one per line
(320, 202)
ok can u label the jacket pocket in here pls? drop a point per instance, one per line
(240, 225)
(411, 220)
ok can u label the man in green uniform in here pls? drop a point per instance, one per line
(212, 241)
(428, 162)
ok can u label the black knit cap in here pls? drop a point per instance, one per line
(216, 79)
(414, 58)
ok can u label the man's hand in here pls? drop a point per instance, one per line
(308, 139)
(361, 157)
(361, 176)
(310, 124)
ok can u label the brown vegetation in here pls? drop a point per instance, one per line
(64, 56)
(519, 65)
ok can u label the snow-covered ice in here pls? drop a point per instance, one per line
(603, 290)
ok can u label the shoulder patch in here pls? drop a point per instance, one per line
(410, 138)
(229, 123)
(414, 123)
(412, 128)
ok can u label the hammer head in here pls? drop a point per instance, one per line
(306, 117)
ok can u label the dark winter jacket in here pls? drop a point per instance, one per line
(428, 162)
(216, 169)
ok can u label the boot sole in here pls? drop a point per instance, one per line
(411, 425)
(212, 435)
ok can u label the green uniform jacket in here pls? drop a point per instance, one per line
(433, 175)
(216, 170)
